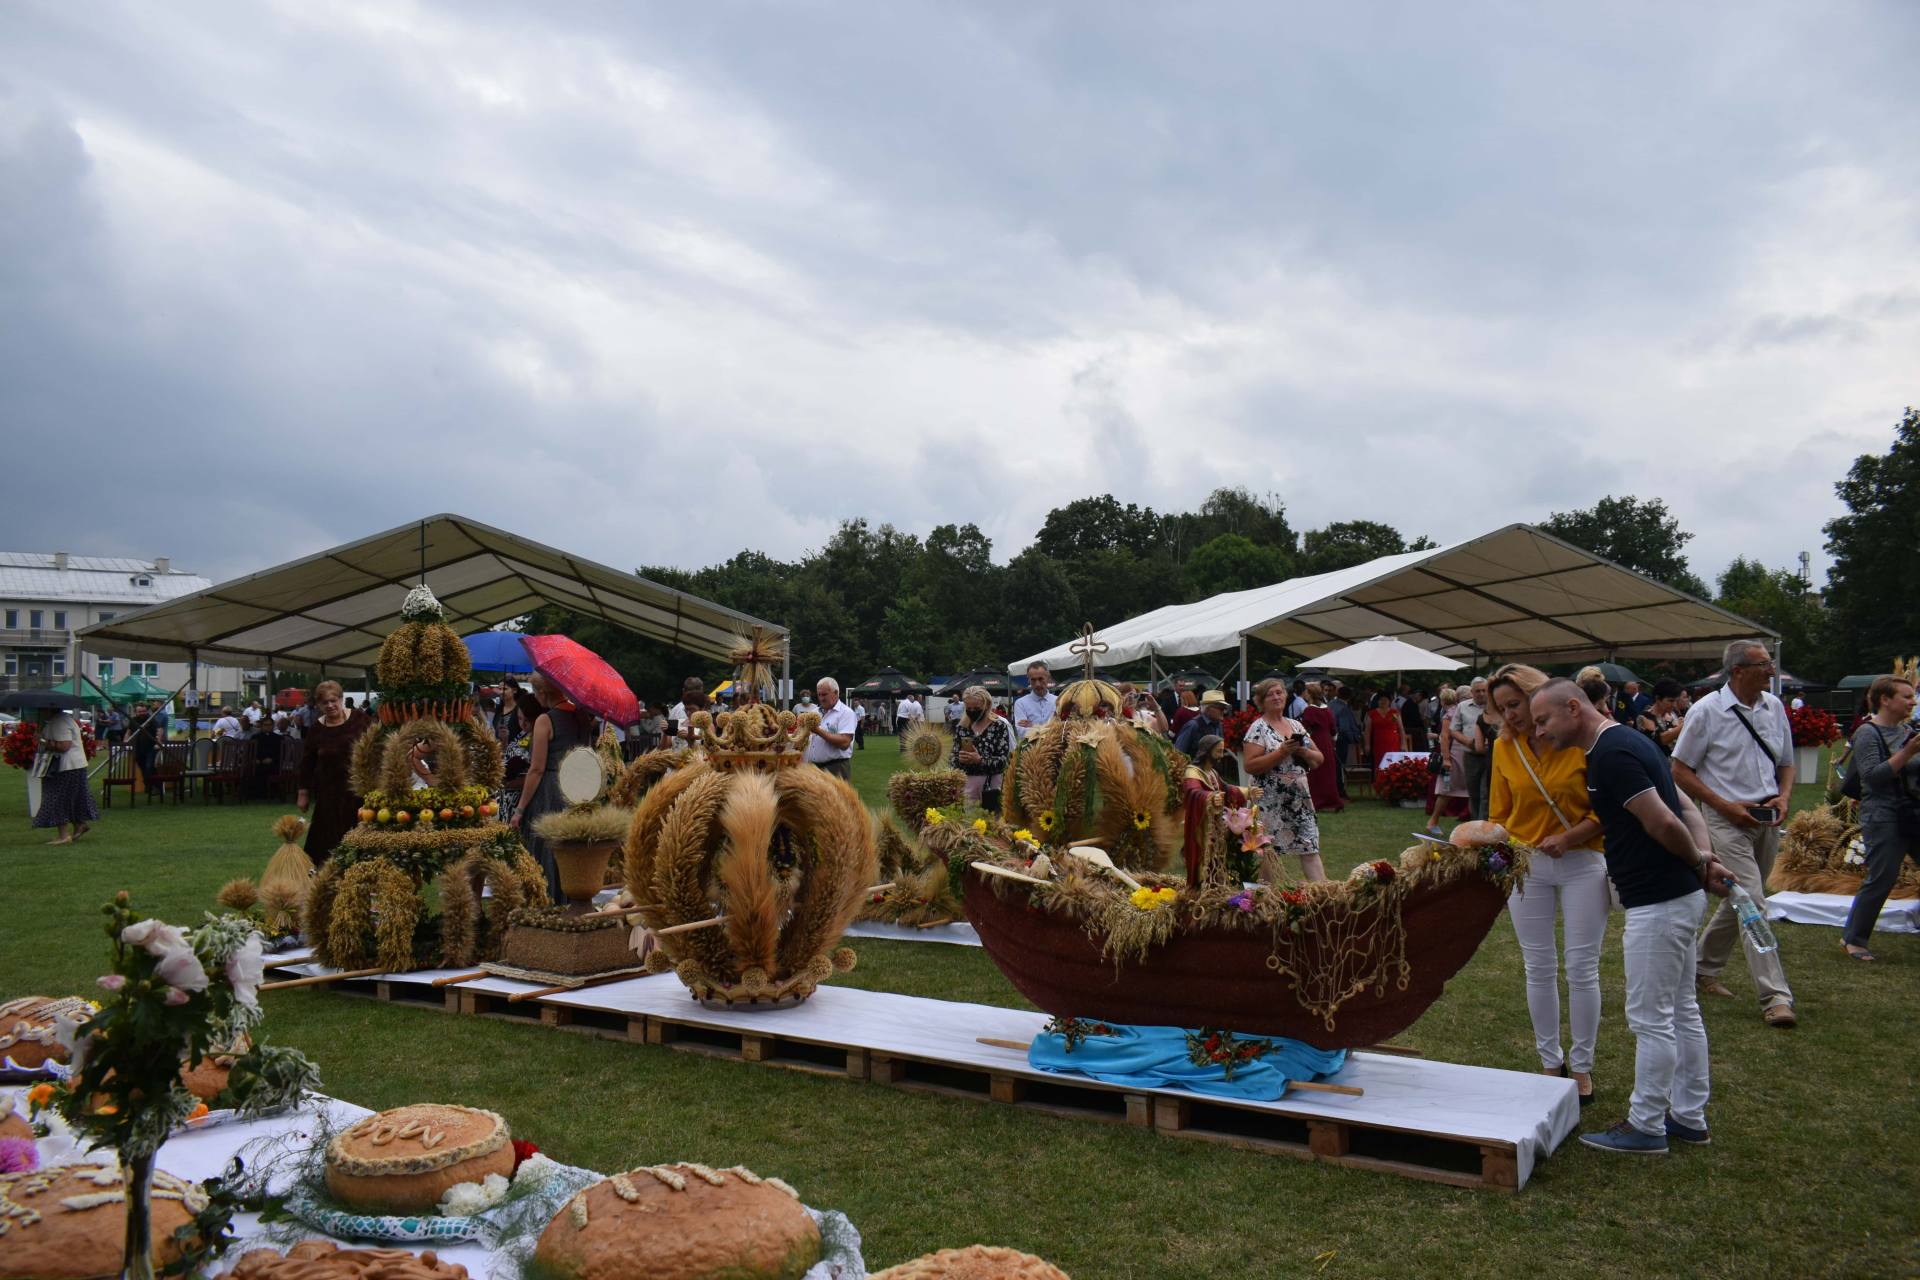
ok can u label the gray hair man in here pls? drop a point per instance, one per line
(1467, 716)
(1734, 756)
(831, 744)
(1656, 858)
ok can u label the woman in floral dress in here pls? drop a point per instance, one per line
(1278, 752)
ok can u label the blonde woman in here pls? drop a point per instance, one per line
(1278, 753)
(1539, 794)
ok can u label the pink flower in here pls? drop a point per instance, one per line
(1237, 820)
(18, 1155)
(111, 981)
(176, 997)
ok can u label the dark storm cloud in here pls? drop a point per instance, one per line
(656, 282)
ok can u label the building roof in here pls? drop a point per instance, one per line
(37, 575)
(334, 608)
(1517, 592)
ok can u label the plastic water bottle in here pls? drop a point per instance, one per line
(1752, 922)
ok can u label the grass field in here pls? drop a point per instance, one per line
(1813, 1170)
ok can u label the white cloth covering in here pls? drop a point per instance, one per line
(1900, 915)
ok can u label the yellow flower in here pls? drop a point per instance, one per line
(1047, 819)
(980, 825)
(1023, 834)
(1151, 899)
(934, 815)
(1142, 819)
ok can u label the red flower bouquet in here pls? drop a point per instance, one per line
(1403, 780)
(1813, 727)
(1233, 730)
(19, 746)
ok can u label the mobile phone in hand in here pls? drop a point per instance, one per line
(1764, 814)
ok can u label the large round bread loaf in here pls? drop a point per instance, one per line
(975, 1262)
(29, 1028)
(70, 1222)
(680, 1222)
(403, 1160)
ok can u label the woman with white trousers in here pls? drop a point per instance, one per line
(1539, 794)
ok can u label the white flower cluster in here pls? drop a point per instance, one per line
(1856, 854)
(465, 1199)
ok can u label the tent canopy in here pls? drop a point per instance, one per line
(1518, 592)
(333, 608)
(1384, 654)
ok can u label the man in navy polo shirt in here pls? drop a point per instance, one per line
(1658, 859)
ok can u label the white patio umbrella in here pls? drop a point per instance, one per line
(1382, 654)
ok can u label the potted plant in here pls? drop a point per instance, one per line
(1813, 728)
(584, 835)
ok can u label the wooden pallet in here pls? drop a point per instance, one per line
(1350, 1142)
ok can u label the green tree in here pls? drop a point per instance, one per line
(1086, 526)
(1038, 606)
(911, 637)
(1874, 608)
(1636, 534)
(1261, 520)
(1349, 542)
(1231, 562)
(1778, 599)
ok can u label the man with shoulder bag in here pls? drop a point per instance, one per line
(1734, 758)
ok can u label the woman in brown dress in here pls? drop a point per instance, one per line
(326, 774)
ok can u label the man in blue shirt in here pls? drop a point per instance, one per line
(1656, 847)
(1035, 707)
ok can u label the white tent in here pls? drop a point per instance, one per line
(331, 610)
(1383, 653)
(1518, 593)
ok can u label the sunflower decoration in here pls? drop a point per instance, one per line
(1142, 820)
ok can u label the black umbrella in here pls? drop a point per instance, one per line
(1617, 674)
(1194, 676)
(997, 683)
(39, 700)
(888, 682)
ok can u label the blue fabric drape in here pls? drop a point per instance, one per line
(1162, 1058)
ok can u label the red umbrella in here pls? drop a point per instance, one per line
(585, 677)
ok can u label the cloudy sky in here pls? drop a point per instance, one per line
(659, 282)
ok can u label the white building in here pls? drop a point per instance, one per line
(47, 596)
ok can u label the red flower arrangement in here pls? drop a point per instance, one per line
(20, 744)
(1233, 730)
(522, 1152)
(1813, 727)
(1403, 780)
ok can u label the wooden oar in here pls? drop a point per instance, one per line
(452, 978)
(281, 962)
(1312, 1086)
(989, 869)
(519, 996)
(1099, 858)
(934, 924)
(317, 979)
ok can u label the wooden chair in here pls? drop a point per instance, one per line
(286, 779)
(118, 773)
(225, 770)
(169, 771)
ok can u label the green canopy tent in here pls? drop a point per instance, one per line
(137, 689)
(80, 691)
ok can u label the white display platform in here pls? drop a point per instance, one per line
(960, 933)
(1900, 915)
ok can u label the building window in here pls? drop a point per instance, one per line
(106, 671)
(151, 670)
(59, 664)
(13, 664)
(108, 617)
(141, 580)
(59, 619)
(33, 618)
(13, 619)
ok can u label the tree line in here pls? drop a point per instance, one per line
(882, 596)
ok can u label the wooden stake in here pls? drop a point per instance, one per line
(934, 924)
(319, 979)
(1021, 1045)
(988, 868)
(452, 978)
(690, 926)
(281, 962)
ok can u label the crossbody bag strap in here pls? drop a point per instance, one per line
(1520, 749)
(1758, 741)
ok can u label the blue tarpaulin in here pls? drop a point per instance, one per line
(1164, 1058)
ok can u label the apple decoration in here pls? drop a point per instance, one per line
(446, 815)
(466, 811)
(403, 817)
(384, 816)
(366, 815)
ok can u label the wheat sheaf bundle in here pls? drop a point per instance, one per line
(289, 871)
(749, 817)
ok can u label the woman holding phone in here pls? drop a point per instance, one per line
(1539, 794)
(1279, 753)
(982, 741)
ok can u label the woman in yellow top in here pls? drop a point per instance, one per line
(1539, 795)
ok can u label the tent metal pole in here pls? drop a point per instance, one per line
(193, 702)
(786, 673)
(1243, 689)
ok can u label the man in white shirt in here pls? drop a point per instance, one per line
(1479, 769)
(253, 712)
(909, 714)
(831, 746)
(228, 725)
(1734, 756)
(1034, 707)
